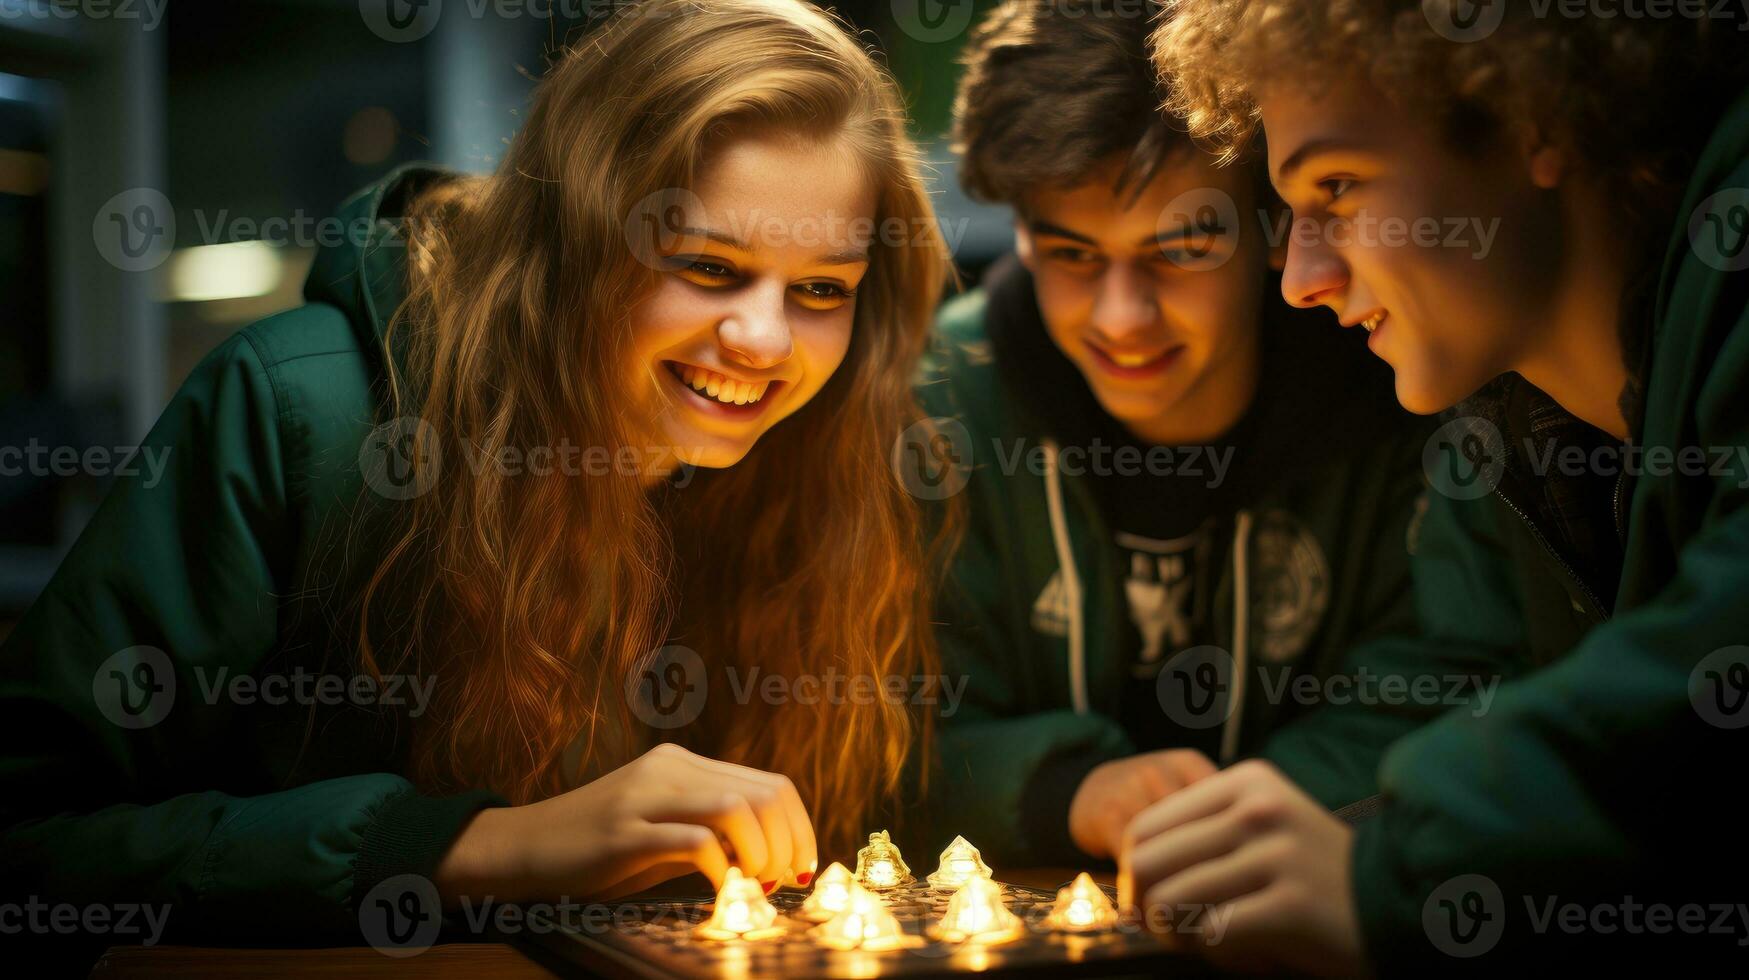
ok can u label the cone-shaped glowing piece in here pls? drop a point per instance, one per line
(879, 866)
(959, 863)
(740, 912)
(1081, 907)
(831, 894)
(865, 923)
(975, 914)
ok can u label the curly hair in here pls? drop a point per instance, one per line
(1629, 98)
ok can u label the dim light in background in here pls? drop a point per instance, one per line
(233, 270)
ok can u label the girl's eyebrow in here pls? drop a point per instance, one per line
(721, 238)
(849, 256)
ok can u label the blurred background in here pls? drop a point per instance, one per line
(248, 121)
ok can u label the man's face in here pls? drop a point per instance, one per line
(1451, 260)
(1153, 297)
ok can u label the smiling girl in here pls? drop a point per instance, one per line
(674, 267)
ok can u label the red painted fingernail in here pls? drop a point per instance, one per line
(768, 886)
(805, 877)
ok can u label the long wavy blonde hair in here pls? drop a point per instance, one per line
(531, 599)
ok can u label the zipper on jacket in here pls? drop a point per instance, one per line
(1573, 573)
(1621, 528)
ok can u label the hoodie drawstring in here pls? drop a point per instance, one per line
(1241, 636)
(1071, 580)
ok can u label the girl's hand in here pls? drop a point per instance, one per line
(667, 813)
(1249, 871)
(1113, 793)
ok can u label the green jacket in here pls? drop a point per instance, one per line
(1314, 565)
(1611, 775)
(133, 769)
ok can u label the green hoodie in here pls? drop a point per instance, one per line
(1315, 567)
(133, 770)
(1608, 780)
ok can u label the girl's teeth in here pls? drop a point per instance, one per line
(721, 388)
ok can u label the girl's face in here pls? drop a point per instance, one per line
(757, 293)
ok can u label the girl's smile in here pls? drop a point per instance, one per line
(722, 395)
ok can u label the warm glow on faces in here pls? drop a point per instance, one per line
(1169, 351)
(1455, 314)
(756, 298)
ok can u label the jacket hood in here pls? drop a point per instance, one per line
(364, 273)
(1719, 169)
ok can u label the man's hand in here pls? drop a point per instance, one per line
(1112, 794)
(1249, 871)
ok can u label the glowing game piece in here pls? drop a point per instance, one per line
(958, 863)
(1081, 907)
(865, 924)
(740, 911)
(879, 866)
(975, 914)
(831, 894)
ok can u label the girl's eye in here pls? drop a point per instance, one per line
(701, 271)
(823, 295)
(1072, 255)
(709, 269)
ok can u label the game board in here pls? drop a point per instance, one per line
(655, 939)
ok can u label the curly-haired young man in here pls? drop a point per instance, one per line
(1595, 472)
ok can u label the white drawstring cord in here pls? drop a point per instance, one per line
(1241, 636)
(1071, 580)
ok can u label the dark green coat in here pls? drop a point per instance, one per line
(1611, 772)
(248, 820)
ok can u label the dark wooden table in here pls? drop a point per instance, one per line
(470, 960)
